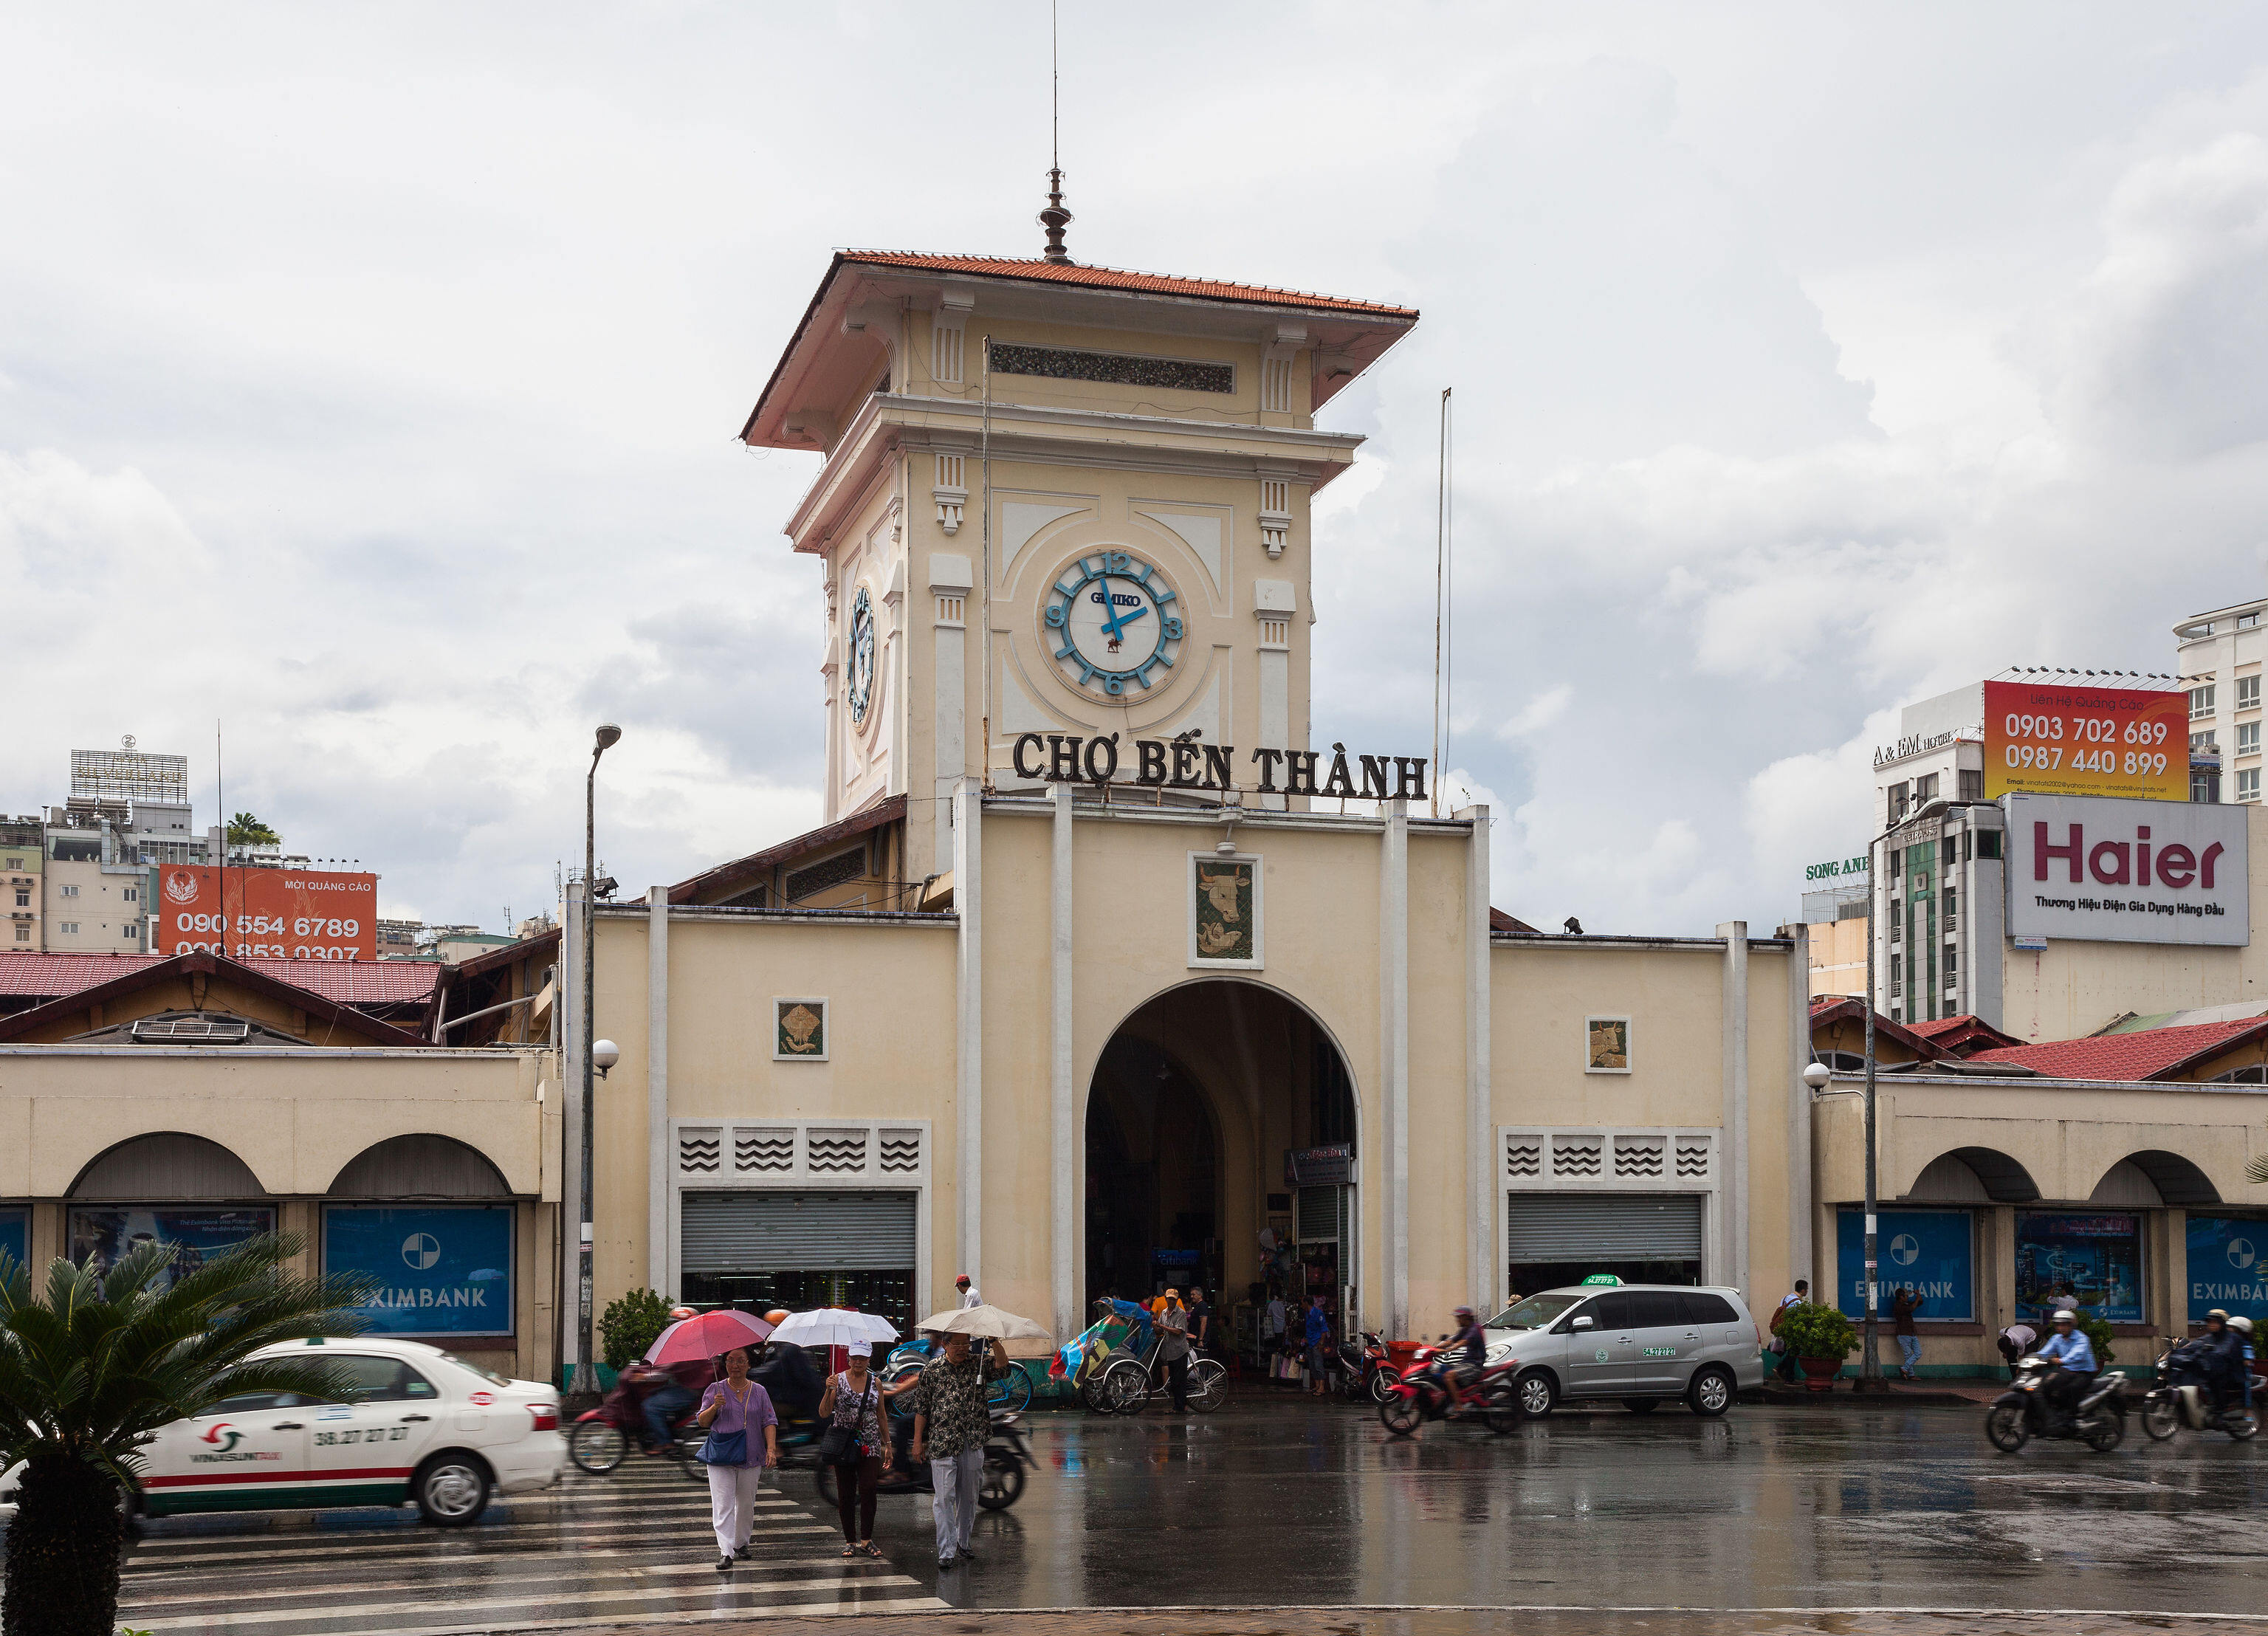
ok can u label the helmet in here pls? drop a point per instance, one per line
(777, 1317)
(2064, 1315)
(2241, 1325)
(2217, 1313)
(1464, 1312)
(678, 1315)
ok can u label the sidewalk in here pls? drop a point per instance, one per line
(1953, 1394)
(1505, 1621)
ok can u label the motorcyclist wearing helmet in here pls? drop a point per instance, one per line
(2070, 1348)
(2242, 1325)
(1458, 1364)
(667, 1403)
(2220, 1355)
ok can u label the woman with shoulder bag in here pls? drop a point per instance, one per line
(855, 1444)
(734, 1409)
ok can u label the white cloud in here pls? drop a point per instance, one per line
(371, 384)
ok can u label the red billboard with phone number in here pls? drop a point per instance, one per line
(292, 914)
(2053, 740)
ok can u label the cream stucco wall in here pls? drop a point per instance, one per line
(296, 1117)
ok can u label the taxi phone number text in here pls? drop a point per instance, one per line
(374, 1434)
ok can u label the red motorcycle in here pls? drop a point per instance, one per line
(1421, 1394)
(603, 1436)
(1364, 1368)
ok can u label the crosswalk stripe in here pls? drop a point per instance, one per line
(491, 1550)
(391, 1612)
(560, 1583)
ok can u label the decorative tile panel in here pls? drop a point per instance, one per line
(700, 1149)
(835, 1152)
(764, 1149)
(1610, 1161)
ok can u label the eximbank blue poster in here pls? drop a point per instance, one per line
(440, 1269)
(2227, 1267)
(1929, 1251)
(16, 1233)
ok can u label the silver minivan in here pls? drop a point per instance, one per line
(1640, 1343)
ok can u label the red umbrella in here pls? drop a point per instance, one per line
(710, 1335)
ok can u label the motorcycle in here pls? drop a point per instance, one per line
(1007, 1456)
(2021, 1414)
(2181, 1397)
(1417, 1395)
(1364, 1367)
(601, 1437)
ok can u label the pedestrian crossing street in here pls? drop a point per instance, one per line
(633, 1546)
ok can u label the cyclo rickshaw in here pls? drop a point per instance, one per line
(1112, 1363)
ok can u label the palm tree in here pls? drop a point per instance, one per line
(90, 1371)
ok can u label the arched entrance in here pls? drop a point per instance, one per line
(1220, 1151)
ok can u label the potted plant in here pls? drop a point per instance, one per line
(1821, 1337)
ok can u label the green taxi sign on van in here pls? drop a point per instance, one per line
(1600, 1278)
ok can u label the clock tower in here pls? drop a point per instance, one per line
(1056, 500)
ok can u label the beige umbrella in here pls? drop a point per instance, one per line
(990, 1322)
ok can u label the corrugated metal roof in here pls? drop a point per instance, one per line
(347, 981)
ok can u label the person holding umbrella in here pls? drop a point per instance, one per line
(734, 1409)
(852, 1412)
(950, 1425)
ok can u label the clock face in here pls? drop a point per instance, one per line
(1113, 624)
(862, 657)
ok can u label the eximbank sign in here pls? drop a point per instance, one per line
(2128, 871)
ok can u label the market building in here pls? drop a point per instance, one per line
(199, 1099)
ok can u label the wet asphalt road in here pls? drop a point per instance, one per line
(1768, 1507)
(1291, 1503)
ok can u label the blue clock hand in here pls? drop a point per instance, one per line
(1114, 624)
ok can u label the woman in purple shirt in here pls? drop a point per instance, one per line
(737, 1403)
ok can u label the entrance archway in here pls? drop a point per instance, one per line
(1196, 1102)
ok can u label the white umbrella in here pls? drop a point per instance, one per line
(832, 1326)
(988, 1322)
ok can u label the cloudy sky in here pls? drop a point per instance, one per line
(369, 380)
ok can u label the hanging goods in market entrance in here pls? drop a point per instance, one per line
(1197, 1105)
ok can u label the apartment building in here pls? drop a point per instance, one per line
(2218, 655)
(22, 855)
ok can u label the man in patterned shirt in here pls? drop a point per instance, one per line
(950, 1425)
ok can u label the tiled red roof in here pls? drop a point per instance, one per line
(2151, 1054)
(1118, 278)
(347, 981)
(1930, 1028)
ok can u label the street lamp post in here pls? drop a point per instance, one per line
(604, 739)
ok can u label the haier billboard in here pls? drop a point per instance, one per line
(2128, 872)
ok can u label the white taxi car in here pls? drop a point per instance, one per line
(429, 1426)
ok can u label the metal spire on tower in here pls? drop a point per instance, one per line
(1054, 218)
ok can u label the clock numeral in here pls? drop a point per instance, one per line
(1055, 615)
(1172, 629)
(1116, 562)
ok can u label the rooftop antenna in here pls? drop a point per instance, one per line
(1054, 218)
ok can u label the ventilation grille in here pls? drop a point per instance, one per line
(829, 872)
(1637, 1157)
(1544, 1160)
(1120, 369)
(902, 1152)
(700, 1152)
(830, 1153)
(201, 1030)
(1575, 1155)
(760, 1149)
(1276, 384)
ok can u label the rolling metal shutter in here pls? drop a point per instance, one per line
(1603, 1227)
(783, 1232)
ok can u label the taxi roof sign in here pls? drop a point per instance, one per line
(1600, 1278)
